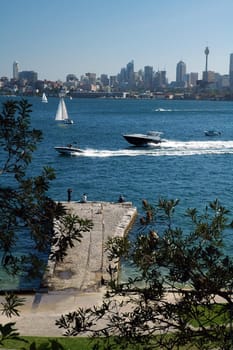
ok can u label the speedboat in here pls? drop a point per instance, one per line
(212, 133)
(68, 150)
(144, 139)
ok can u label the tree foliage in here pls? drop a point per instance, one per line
(182, 294)
(27, 213)
(26, 210)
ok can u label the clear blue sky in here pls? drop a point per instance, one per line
(59, 37)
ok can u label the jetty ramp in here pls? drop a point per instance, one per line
(76, 282)
(85, 267)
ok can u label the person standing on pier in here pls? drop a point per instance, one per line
(69, 191)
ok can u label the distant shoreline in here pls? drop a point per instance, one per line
(205, 96)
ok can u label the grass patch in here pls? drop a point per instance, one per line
(44, 343)
(213, 314)
(73, 343)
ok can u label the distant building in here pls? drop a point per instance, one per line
(231, 71)
(130, 74)
(70, 78)
(180, 74)
(160, 80)
(208, 76)
(16, 70)
(71, 81)
(113, 82)
(148, 77)
(122, 76)
(91, 78)
(30, 76)
(224, 81)
(104, 79)
(193, 78)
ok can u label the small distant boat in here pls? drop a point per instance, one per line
(44, 98)
(212, 133)
(62, 114)
(162, 110)
(144, 139)
(68, 150)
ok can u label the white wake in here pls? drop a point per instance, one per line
(166, 148)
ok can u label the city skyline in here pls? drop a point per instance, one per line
(80, 36)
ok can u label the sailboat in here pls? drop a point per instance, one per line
(62, 114)
(44, 98)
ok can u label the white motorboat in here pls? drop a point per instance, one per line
(68, 150)
(212, 133)
(152, 137)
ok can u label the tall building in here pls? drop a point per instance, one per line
(231, 71)
(180, 73)
(16, 70)
(148, 77)
(160, 80)
(130, 73)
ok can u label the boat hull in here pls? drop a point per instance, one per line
(141, 140)
(68, 121)
(212, 133)
(68, 150)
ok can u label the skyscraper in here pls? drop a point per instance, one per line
(130, 73)
(16, 70)
(231, 71)
(148, 77)
(180, 73)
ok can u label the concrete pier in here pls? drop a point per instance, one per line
(85, 264)
(76, 282)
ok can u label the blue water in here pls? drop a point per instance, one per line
(188, 165)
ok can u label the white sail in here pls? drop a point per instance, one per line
(62, 113)
(44, 98)
(61, 110)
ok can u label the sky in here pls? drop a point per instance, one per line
(60, 37)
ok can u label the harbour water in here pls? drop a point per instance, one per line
(188, 165)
